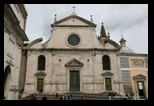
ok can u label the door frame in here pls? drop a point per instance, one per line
(69, 79)
(107, 74)
(105, 83)
(140, 78)
(37, 76)
(144, 92)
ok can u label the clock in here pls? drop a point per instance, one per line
(73, 40)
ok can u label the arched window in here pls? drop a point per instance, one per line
(106, 62)
(41, 62)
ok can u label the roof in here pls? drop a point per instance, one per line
(56, 24)
(126, 50)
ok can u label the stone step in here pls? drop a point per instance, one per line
(76, 96)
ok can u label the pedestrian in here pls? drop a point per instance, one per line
(63, 97)
(56, 95)
(66, 97)
(33, 97)
(109, 94)
(20, 94)
(70, 97)
(82, 97)
(115, 94)
(44, 98)
(126, 95)
(124, 98)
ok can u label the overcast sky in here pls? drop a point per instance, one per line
(127, 20)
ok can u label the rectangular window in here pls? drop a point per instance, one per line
(40, 84)
(108, 84)
(11, 47)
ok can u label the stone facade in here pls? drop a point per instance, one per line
(134, 68)
(14, 35)
(63, 57)
(134, 65)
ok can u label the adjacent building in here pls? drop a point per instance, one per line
(15, 16)
(134, 68)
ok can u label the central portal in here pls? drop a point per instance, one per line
(74, 80)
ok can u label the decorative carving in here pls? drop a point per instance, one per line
(107, 74)
(40, 74)
(137, 63)
(139, 76)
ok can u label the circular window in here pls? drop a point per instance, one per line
(73, 40)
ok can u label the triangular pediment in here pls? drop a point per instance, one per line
(107, 73)
(139, 76)
(73, 20)
(74, 63)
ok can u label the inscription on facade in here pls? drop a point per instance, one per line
(137, 63)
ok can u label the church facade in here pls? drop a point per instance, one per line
(74, 59)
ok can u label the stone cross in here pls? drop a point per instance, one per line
(73, 7)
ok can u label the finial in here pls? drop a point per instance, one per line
(122, 41)
(73, 13)
(55, 18)
(91, 18)
(121, 36)
(108, 35)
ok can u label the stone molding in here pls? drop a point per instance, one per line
(107, 74)
(74, 63)
(40, 74)
(139, 76)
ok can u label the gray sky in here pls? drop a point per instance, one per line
(127, 20)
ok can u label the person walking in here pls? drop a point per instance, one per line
(82, 97)
(44, 98)
(109, 94)
(63, 97)
(66, 97)
(127, 95)
(70, 97)
(56, 95)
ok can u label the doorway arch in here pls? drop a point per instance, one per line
(7, 80)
